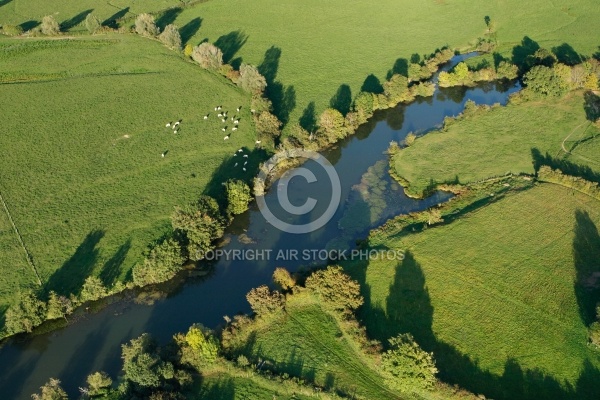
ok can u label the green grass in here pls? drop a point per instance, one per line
(492, 294)
(326, 44)
(495, 142)
(84, 129)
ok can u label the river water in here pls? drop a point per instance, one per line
(368, 197)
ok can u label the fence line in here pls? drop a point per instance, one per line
(27, 255)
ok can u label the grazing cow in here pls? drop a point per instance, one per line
(226, 137)
(168, 125)
(224, 129)
(257, 142)
(245, 155)
(234, 128)
(239, 108)
(206, 116)
(244, 169)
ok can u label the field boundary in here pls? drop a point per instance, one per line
(27, 255)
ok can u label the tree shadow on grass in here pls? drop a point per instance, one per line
(112, 268)
(283, 98)
(566, 54)
(591, 106)
(522, 54)
(586, 256)
(168, 17)
(223, 389)
(230, 44)
(74, 21)
(342, 99)
(113, 20)
(400, 67)
(189, 30)
(567, 167)
(29, 25)
(308, 119)
(372, 85)
(4, 2)
(409, 309)
(70, 277)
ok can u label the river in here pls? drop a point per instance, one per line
(93, 342)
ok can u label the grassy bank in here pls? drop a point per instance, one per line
(505, 316)
(84, 124)
(494, 142)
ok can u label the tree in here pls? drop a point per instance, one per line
(92, 23)
(58, 306)
(163, 262)
(145, 25)
(406, 366)
(143, 367)
(98, 383)
(396, 88)
(507, 70)
(363, 106)
(28, 313)
(208, 56)
(263, 301)
(12, 30)
(187, 51)
(49, 26)
(238, 196)
(171, 37)
(331, 125)
(283, 279)
(591, 82)
(199, 223)
(410, 139)
(544, 81)
(93, 289)
(204, 347)
(336, 289)
(267, 125)
(251, 80)
(51, 391)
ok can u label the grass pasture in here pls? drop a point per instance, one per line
(495, 142)
(311, 48)
(84, 130)
(502, 315)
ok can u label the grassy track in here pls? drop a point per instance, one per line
(498, 141)
(326, 44)
(507, 302)
(82, 171)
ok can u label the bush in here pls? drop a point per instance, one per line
(163, 262)
(251, 80)
(242, 361)
(238, 196)
(410, 139)
(331, 125)
(545, 81)
(336, 289)
(507, 70)
(98, 383)
(143, 367)
(208, 56)
(92, 23)
(12, 30)
(283, 279)
(406, 366)
(93, 289)
(203, 347)
(51, 391)
(396, 89)
(58, 306)
(267, 125)
(49, 26)
(263, 301)
(199, 224)
(260, 104)
(145, 25)
(188, 50)
(171, 37)
(595, 334)
(28, 313)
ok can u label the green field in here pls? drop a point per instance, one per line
(84, 130)
(492, 294)
(499, 141)
(327, 44)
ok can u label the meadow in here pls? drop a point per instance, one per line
(499, 141)
(505, 316)
(82, 171)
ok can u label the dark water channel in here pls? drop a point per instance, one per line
(368, 197)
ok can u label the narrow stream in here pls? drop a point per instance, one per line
(93, 342)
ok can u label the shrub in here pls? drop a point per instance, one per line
(238, 196)
(251, 80)
(267, 125)
(545, 81)
(283, 279)
(145, 25)
(208, 56)
(406, 366)
(336, 289)
(423, 89)
(331, 125)
(188, 50)
(58, 306)
(203, 347)
(28, 313)
(263, 301)
(410, 139)
(260, 104)
(163, 262)
(49, 26)
(12, 30)
(396, 88)
(507, 70)
(171, 37)
(92, 23)
(98, 383)
(93, 289)
(143, 367)
(242, 361)
(595, 334)
(51, 391)
(199, 224)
